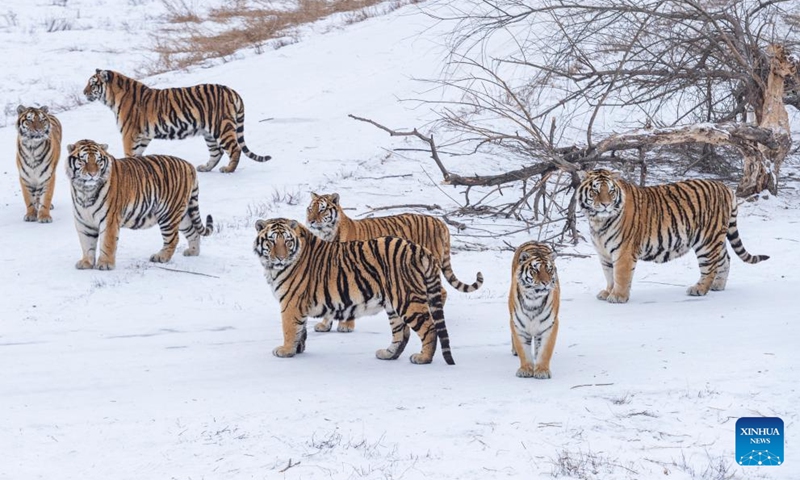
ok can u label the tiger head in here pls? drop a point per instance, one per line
(279, 242)
(33, 123)
(97, 85)
(322, 215)
(88, 164)
(536, 268)
(601, 194)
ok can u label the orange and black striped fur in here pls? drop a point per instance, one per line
(214, 111)
(533, 303)
(314, 278)
(658, 224)
(136, 192)
(38, 151)
(326, 219)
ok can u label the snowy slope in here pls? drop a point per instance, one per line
(144, 373)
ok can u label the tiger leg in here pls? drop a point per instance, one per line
(47, 203)
(623, 275)
(129, 140)
(346, 326)
(214, 152)
(710, 258)
(324, 325)
(400, 335)
(608, 271)
(231, 146)
(294, 333)
(88, 238)
(521, 346)
(418, 317)
(109, 236)
(30, 203)
(169, 232)
(192, 236)
(544, 344)
(721, 280)
(140, 145)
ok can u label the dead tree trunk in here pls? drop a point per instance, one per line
(762, 167)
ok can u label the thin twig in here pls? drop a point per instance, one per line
(290, 465)
(591, 385)
(184, 271)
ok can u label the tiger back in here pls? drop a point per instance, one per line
(136, 192)
(533, 303)
(660, 223)
(312, 278)
(214, 111)
(38, 152)
(326, 219)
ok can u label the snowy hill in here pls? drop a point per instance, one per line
(144, 373)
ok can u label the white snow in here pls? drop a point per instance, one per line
(144, 373)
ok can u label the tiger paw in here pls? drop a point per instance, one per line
(345, 327)
(30, 217)
(420, 359)
(541, 373)
(386, 354)
(160, 257)
(525, 371)
(203, 168)
(227, 169)
(323, 326)
(84, 264)
(284, 352)
(719, 285)
(105, 265)
(696, 291)
(44, 218)
(617, 298)
(191, 252)
(603, 295)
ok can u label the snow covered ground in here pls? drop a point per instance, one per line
(145, 373)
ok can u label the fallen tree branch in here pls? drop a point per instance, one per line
(184, 271)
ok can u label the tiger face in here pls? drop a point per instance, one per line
(88, 164)
(33, 123)
(537, 271)
(96, 86)
(278, 243)
(600, 194)
(322, 215)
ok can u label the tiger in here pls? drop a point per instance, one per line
(38, 152)
(327, 220)
(311, 278)
(660, 223)
(214, 111)
(533, 303)
(135, 192)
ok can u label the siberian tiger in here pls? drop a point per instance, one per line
(660, 223)
(38, 151)
(136, 192)
(311, 278)
(533, 303)
(326, 219)
(214, 111)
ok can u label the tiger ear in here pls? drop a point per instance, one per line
(616, 175)
(20, 109)
(104, 146)
(44, 109)
(314, 196)
(260, 225)
(335, 198)
(553, 255)
(293, 224)
(524, 256)
(105, 75)
(70, 147)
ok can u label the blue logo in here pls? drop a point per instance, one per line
(759, 441)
